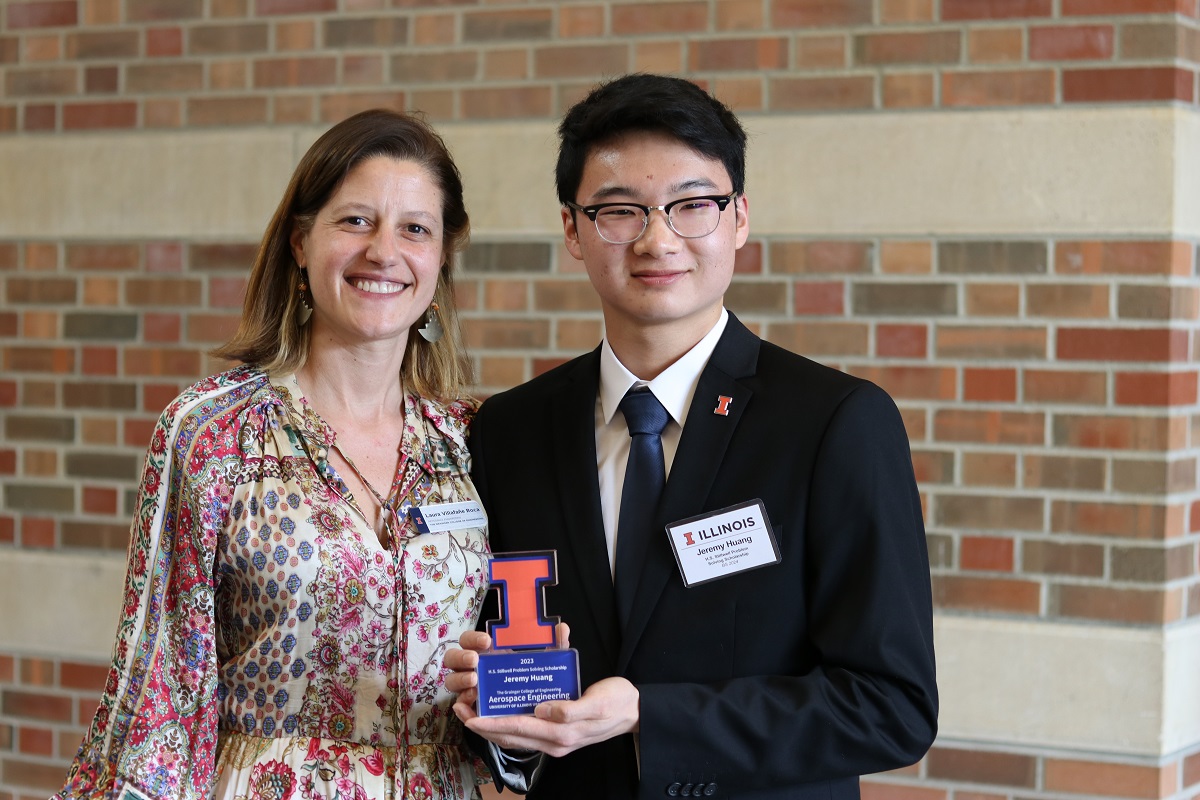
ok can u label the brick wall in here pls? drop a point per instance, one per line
(1048, 378)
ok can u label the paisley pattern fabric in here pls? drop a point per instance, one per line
(270, 645)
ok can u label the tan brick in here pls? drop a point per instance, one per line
(1058, 558)
(1151, 40)
(1158, 302)
(1153, 564)
(976, 512)
(502, 371)
(739, 15)
(821, 338)
(337, 107)
(1067, 42)
(742, 95)
(805, 13)
(580, 60)
(488, 334)
(1067, 300)
(987, 767)
(1066, 386)
(42, 81)
(455, 65)
(992, 299)
(207, 40)
(995, 9)
(564, 295)
(904, 299)
(893, 11)
(990, 258)
(520, 24)
(435, 29)
(44, 14)
(1118, 432)
(581, 21)
(909, 90)
(41, 290)
(1064, 472)
(1122, 520)
(1154, 477)
(907, 47)
(768, 53)
(116, 44)
(284, 72)
(155, 10)
(577, 334)
(983, 341)
(366, 32)
(995, 45)
(506, 102)
(1006, 88)
(826, 51)
(757, 297)
(162, 292)
(837, 257)
(1108, 780)
(654, 56)
(103, 256)
(825, 93)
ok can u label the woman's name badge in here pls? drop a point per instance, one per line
(723, 543)
(447, 516)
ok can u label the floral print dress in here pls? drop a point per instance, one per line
(271, 647)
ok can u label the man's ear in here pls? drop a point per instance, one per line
(571, 233)
(741, 208)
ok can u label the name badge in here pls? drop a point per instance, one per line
(447, 516)
(723, 543)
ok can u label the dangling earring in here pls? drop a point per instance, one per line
(431, 331)
(304, 310)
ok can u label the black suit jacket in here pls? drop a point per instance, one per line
(787, 681)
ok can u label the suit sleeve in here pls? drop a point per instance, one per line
(870, 702)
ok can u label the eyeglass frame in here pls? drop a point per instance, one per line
(592, 211)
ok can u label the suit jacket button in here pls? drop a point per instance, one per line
(698, 790)
(673, 789)
(686, 791)
(710, 789)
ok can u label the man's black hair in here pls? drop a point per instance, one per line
(648, 103)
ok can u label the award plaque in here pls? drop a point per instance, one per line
(525, 666)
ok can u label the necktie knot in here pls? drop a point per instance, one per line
(643, 413)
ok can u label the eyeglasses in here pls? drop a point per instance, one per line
(689, 217)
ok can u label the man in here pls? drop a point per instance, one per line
(786, 680)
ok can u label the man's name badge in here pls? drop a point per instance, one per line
(723, 543)
(447, 516)
(526, 667)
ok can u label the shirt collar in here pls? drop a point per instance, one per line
(673, 387)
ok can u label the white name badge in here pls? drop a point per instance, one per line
(723, 543)
(448, 516)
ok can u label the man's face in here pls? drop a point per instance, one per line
(662, 280)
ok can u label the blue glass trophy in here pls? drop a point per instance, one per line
(525, 666)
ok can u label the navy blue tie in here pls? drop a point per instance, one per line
(645, 474)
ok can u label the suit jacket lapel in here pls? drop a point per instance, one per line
(578, 489)
(702, 447)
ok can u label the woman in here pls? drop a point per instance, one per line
(285, 614)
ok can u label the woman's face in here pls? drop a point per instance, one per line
(373, 253)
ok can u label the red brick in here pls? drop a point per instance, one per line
(162, 361)
(226, 110)
(737, 15)
(891, 11)
(1156, 388)
(749, 259)
(265, 7)
(1065, 42)
(83, 116)
(901, 340)
(99, 361)
(652, 56)
(990, 385)
(995, 9)
(989, 469)
(820, 297)
(816, 13)
(1127, 84)
(99, 500)
(83, 677)
(40, 81)
(45, 14)
(876, 790)
(821, 52)
(1121, 520)
(1119, 433)
(226, 292)
(993, 299)
(933, 466)
(986, 594)
(33, 741)
(641, 19)
(100, 80)
(1123, 258)
(1008, 88)
(986, 554)
(103, 256)
(587, 21)
(739, 54)
(811, 94)
(913, 383)
(990, 427)
(580, 60)
(38, 531)
(337, 107)
(1122, 344)
(1113, 7)
(36, 705)
(164, 42)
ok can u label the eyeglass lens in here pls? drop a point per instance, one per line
(690, 218)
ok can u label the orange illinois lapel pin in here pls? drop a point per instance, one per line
(723, 402)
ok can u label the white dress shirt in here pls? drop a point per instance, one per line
(674, 388)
